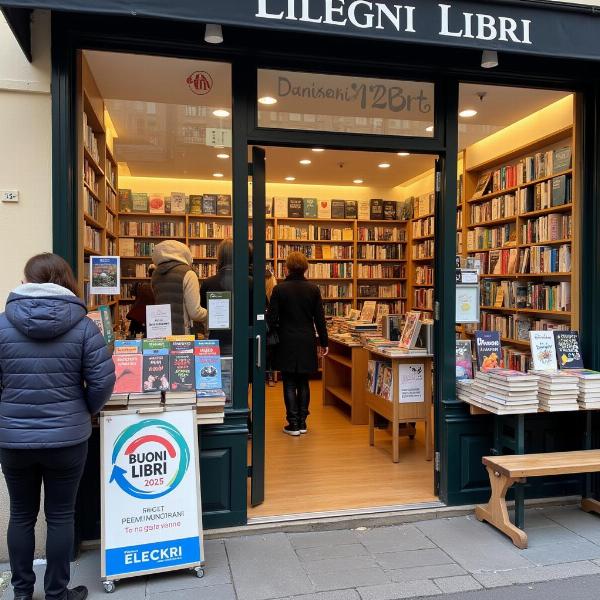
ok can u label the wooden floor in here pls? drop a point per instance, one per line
(333, 467)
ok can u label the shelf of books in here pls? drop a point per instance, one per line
(519, 227)
(422, 243)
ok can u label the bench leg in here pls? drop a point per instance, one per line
(495, 511)
(590, 505)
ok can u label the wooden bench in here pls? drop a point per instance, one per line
(504, 471)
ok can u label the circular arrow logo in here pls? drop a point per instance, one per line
(149, 459)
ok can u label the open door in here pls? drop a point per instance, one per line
(257, 471)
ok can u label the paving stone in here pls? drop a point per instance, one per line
(320, 552)
(460, 583)
(550, 554)
(584, 524)
(266, 567)
(412, 558)
(187, 580)
(473, 545)
(394, 591)
(334, 595)
(331, 565)
(556, 534)
(338, 580)
(429, 572)
(534, 518)
(217, 592)
(393, 539)
(39, 584)
(536, 574)
(314, 539)
(126, 589)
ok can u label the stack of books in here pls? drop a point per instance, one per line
(117, 402)
(182, 381)
(210, 398)
(210, 406)
(557, 390)
(589, 388)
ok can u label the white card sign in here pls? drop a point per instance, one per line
(158, 321)
(412, 382)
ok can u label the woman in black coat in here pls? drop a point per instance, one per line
(295, 311)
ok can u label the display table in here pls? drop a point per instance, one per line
(344, 376)
(397, 411)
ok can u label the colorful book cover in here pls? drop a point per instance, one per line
(128, 373)
(310, 208)
(386, 383)
(128, 347)
(338, 209)
(155, 373)
(295, 208)
(568, 352)
(543, 350)
(410, 333)
(209, 204)
(107, 324)
(181, 372)
(464, 360)
(181, 338)
(182, 347)
(195, 204)
(488, 349)
(368, 311)
(324, 209)
(155, 346)
(224, 205)
(156, 204)
(372, 368)
(125, 203)
(376, 209)
(389, 210)
(178, 203)
(351, 209)
(96, 317)
(139, 202)
(207, 364)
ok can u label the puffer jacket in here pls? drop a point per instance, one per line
(55, 369)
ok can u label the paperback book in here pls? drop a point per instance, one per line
(295, 208)
(410, 333)
(128, 373)
(181, 372)
(543, 350)
(488, 349)
(464, 360)
(568, 351)
(207, 364)
(310, 208)
(128, 347)
(155, 372)
(156, 346)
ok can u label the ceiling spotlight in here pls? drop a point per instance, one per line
(429, 129)
(268, 100)
(358, 181)
(318, 149)
(384, 165)
(221, 112)
(290, 179)
(403, 153)
(467, 113)
(213, 34)
(217, 174)
(223, 156)
(489, 59)
(305, 161)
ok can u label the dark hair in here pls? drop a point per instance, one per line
(50, 268)
(296, 263)
(225, 254)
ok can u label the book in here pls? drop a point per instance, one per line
(207, 357)
(310, 208)
(209, 204)
(181, 346)
(94, 315)
(568, 352)
(139, 202)
(181, 372)
(376, 210)
(155, 376)
(543, 350)
(482, 185)
(404, 209)
(488, 349)
(561, 159)
(411, 329)
(125, 202)
(128, 373)
(386, 390)
(368, 311)
(324, 209)
(351, 209)
(464, 360)
(382, 311)
(195, 204)
(560, 193)
(156, 204)
(178, 203)
(128, 347)
(224, 205)
(107, 324)
(372, 368)
(295, 208)
(389, 210)
(364, 210)
(280, 207)
(167, 205)
(338, 209)
(156, 346)
(126, 246)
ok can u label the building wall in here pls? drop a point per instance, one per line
(25, 165)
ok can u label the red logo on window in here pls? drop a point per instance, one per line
(200, 82)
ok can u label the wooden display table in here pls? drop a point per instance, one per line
(344, 376)
(397, 412)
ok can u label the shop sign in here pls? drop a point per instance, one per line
(150, 493)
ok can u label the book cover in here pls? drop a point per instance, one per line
(128, 347)
(568, 352)
(224, 205)
(126, 247)
(295, 209)
(387, 383)
(125, 202)
(543, 350)
(268, 207)
(324, 209)
(338, 209)
(376, 210)
(280, 207)
(382, 311)
(389, 210)
(411, 329)
(372, 368)
(482, 185)
(367, 312)
(207, 364)
(364, 210)
(464, 360)
(195, 204)
(181, 372)
(310, 208)
(182, 346)
(209, 204)
(351, 209)
(156, 346)
(107, 324)
(559, 190)
(94, 315)
(404, 209)
(561, 159)
(167, 205)
(128, 373)
(155, 377)
(156, 204)
(488, 349)
(139, 201)
(178, 203)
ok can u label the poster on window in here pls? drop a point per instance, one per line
(412, 382)
(105, 275)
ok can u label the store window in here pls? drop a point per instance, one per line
(339, 103)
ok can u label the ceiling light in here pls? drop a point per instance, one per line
(489, 59)
(403, 153)
(217, 174)
(268, 100)
(213, 34)
(223, 156)
(357, 181)
(305, 161)
(384, 165)
(318, 149)
(429, 129)
(290, 179)
(467, 113)
(221, 112)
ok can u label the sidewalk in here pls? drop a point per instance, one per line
(426, 558)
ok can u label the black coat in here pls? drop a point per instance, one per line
(295, 311)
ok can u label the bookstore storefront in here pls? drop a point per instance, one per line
(386, 142)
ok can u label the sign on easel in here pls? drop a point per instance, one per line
(151, 509)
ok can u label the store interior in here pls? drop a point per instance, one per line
(171, 132)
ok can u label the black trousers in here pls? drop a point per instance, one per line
(60, 470)
(296, 393)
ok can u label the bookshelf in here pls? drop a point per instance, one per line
(421, 244)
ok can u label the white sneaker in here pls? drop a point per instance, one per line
(287, 429)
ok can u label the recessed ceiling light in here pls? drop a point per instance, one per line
(318, 149)
(221, 112)
(384, 165)
(223, 156)
(468, 112)
(305, 161)
(403, 153)
(358, 181)
(217, 174)
(290, 179)
(268, 100)
(429, 129)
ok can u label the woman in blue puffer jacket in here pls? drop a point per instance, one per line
(55, 372)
